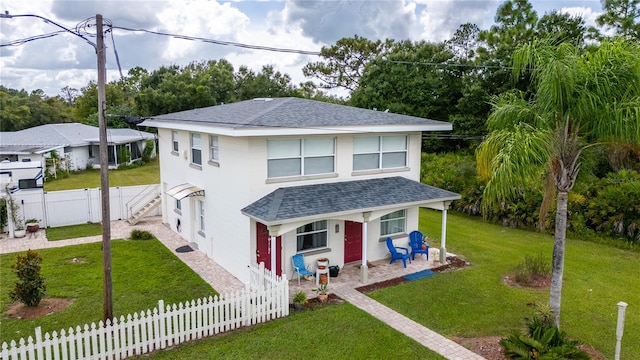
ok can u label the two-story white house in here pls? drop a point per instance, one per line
(264, 179)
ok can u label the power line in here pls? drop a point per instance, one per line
(32, 38)
(220, 42)
(6, 15)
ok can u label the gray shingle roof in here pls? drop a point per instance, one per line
(69, 134)
(289, 113)
(299, 202)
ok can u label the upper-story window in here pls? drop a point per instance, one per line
(296, 157)
(174, 140)
(393, 223)
(196, 149)
(312, 236)
(379, 152)
(213, 148)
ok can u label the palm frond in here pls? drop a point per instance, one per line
(512, 159)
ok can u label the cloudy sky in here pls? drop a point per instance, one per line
(66, 60)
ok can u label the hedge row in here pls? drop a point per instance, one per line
(608, 206)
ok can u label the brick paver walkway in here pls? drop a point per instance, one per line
(226, 283)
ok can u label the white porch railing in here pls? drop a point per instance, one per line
(262, 278)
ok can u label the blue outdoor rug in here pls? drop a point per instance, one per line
(419, 275)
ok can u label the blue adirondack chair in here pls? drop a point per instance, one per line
(416, 239)
(299, 268)
(398, 253)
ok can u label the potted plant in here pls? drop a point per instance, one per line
(32, 225)
(323, 292)
(14, 214)
(299, 300)
(322, 262)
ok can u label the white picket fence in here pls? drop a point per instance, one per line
(261, 277)
(162, 327)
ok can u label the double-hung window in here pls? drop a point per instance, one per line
(312, 236)
(297, 157)
(213, 148)
(196, 149)
(174, 141)
(392, 223)
(379, 152)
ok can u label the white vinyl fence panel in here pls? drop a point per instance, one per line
(159, 328)
(72, 207)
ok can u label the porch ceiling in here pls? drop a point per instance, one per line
(309, 202)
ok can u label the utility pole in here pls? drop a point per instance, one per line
(104, 176)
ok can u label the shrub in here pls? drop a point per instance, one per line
(141, 235)
(531, 268)
(300, 297)
(30, 287)
(148, 150)
(543, 340)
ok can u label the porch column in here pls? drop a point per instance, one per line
(273, 230)
(364, 270)
(443, 242)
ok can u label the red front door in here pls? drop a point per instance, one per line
(263, 248)
(352, 241)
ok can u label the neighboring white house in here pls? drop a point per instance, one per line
(264, 179)
(76, 145)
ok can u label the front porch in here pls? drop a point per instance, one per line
(378, 271)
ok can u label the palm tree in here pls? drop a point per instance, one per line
(582, 98)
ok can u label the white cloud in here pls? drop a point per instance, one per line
(441, 18)
(66, 60)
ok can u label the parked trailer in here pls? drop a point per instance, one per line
(21, 175)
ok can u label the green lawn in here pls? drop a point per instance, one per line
(73, 231)
(332, 332)
(469, 302)
(143, 175)
(475, 301)
(143, 272)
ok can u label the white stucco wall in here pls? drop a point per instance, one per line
(240, 178)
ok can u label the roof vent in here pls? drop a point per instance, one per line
(262, 99)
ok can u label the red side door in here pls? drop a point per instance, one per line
(352, 241)
(263, 248)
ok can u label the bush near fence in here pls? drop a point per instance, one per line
(265, 299)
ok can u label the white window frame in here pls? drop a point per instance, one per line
(175, 147)
(214, 148)
(302, 157)
(312, 232)
(178, 204)
(381, 152)
(391, 217)
(196, 148)
(201, 216)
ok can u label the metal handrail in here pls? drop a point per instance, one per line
(142, 198)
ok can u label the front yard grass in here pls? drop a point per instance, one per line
(73, 231)
(475, 302)
(143, 175)
(143, 272)
(332, 332)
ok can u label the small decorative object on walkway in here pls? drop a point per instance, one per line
(32, 225)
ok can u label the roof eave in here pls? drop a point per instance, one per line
(281, 131)
(339, 214)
